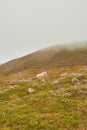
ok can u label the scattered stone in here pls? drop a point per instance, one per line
(56, 82)
(51, 91)
(12, 87)
(23, 80)
(31, 90)
(64, 75)
(74, 74)
(75, 81)
(6, 90)
(81, 77)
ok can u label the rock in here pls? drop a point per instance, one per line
(51, 91)
(73, 74)
(81, 77)
(22, 80)
(31, 90)
(64, 75)
(56, 82)
(75, 81)
(6, 90)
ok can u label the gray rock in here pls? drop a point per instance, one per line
(31, 90)
(81, 77)
(75, 81)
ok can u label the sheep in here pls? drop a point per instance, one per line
(42, 76)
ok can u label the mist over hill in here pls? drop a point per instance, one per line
(63, 55)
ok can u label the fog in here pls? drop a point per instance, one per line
(30, 25)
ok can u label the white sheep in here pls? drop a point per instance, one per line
(42, 76)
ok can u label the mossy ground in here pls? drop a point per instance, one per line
(51, 107)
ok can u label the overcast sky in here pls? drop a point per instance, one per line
(28, 25)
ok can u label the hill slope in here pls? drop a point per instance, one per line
(61, 106)
(49, 58)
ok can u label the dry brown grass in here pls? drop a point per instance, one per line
(47, 59)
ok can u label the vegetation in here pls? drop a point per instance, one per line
(48, 59)
(60, 106)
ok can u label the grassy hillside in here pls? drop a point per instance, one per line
(49, 58)
(57, 104)
(60, 106)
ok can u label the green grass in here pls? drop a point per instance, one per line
(43, 110)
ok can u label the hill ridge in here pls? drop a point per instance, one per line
(48, 58)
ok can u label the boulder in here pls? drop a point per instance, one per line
(75, 81)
